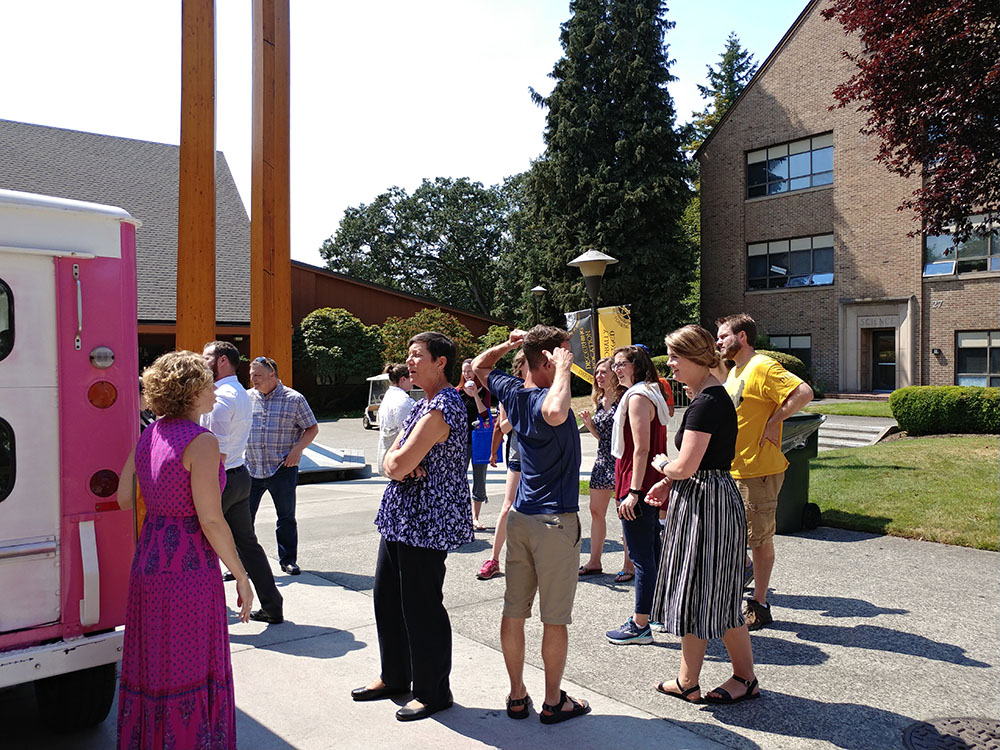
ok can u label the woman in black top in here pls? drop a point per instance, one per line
(700, 579)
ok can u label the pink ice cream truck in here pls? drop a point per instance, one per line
(68, 418)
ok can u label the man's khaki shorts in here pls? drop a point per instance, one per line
(760, 498)
(543, 555)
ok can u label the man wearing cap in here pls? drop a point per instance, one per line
(283, 426)
(229, 421)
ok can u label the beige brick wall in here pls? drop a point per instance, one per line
(967, 303)
(874, 257)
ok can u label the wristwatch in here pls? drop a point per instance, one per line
(638, 493)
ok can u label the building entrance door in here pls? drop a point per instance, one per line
(884, 359)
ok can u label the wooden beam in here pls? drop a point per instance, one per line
(270, 222)
(196, 186)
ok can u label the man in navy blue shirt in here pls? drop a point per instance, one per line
(543, 528)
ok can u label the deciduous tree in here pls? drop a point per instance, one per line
(441, 242)
(396, 332)
(929, 80)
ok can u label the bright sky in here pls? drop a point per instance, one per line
(382, 93)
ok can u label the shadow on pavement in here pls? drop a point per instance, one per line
(301, 640)
(833, 606)
(352, 581)
(775, 651)
(601, 730)
(845, 725)
(22, 728)
(881, 639)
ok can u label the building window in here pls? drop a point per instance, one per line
(797, 346)
(791, 166)
(6, 320)
(978, 360)
(944, 257)
(805, 261)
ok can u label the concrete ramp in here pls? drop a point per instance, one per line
(322, 464)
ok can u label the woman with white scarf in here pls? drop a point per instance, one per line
(640, 432)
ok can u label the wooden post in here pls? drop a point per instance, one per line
(270, 223)
(196, 187)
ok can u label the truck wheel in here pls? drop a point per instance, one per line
(365, 422)
(811, 516)
(77, 700)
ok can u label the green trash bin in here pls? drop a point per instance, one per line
(799, 443)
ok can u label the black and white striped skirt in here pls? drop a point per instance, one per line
(699, 585)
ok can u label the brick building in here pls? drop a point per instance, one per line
(800, 228)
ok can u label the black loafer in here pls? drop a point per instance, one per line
(291, 568)
(365, 693)
(227, 576)
(414, 714)
(261, 616)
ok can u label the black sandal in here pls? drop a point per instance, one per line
(683, 694)
(557, 715)
(520, 713)
(726, 698)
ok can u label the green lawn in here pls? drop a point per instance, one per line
(935, 489)
(851, 408)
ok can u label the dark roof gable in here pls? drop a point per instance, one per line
(142, 178)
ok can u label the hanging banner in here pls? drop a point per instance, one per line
(615, 326)
(581, 343)
(614, 330)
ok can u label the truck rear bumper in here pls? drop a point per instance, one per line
(51, 659)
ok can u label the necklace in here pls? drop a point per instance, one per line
(701, 385)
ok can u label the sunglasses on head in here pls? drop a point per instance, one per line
(267, 362)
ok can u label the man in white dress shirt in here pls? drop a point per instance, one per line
(230, 421)
(395, 407)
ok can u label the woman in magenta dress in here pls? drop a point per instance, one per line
(176, 686)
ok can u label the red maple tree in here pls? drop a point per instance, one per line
(929, 79)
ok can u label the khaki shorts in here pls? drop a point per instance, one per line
(543, 555)
(760, 498)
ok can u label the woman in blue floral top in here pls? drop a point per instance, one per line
(425, 513)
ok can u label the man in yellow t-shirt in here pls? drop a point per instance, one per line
(764, 394)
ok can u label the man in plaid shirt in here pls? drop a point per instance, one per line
(283, 425)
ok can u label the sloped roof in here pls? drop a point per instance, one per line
(760, 72)
(142, 178)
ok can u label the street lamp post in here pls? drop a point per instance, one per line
(592, 264)
(537, 293)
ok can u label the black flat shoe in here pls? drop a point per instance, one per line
(260, 615)
(292, 569)
(365, 693)
(414, 714)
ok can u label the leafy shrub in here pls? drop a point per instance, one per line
(936, 410)
(791, 363)
(397, 331)
(660, 363)
(339, 347)
(496, 335)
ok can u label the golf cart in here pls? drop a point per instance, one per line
(377, 387)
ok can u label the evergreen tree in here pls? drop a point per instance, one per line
(725, 84)
(613, 175)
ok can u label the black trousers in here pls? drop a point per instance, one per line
(236, 509)
(414, 632)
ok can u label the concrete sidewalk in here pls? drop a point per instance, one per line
(871, 634)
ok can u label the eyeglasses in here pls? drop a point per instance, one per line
(620, 365)
(269, 363)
